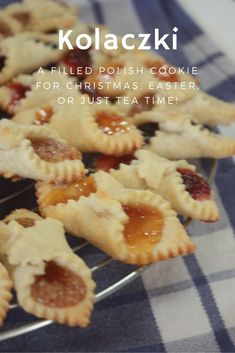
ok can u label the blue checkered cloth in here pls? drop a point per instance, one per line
(181, 305)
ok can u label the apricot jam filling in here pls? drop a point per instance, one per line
(197, 187)
(43, 115)
(58, 287)
(109, 70)
(24, 221)
(71, 191)
(144, 227)
(18, 91)
(162, 71)
(97, 83)
(5, 30)
(23, 17)
(53, 151)
(145, 103)
(112, 123)
(106, 162)
(112, 68)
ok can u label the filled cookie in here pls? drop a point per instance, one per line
(24, 53)
(5, 292)
(41, 15)
(176, 181)
(133, 226)
(169, 133)
(205, 109)
(50, 281)
(38, 153)
(30, 91)
(96, 128)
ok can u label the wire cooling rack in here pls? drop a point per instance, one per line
(133, 274)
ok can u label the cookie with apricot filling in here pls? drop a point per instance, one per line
(144, 228)
(96, 128)
(38, 153)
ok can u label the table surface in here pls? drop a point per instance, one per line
(219, 30)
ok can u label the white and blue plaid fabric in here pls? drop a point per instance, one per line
(181, 305)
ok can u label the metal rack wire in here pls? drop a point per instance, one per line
(132, 275)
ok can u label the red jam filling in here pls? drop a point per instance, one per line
(112, 123)
(145, 103)
(112, 162)
(78, 58)
(18, 91)
(58, 287)
(144, 227)
(165, 74)
(53, 151)
(197, 187)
